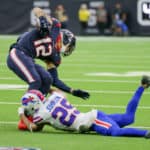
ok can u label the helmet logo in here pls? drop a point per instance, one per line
(26, 100)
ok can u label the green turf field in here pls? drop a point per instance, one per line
(109, 68)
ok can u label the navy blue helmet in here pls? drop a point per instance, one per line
(69, 42)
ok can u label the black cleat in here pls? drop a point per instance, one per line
(147, 136)
(145, 81)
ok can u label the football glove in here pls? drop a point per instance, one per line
(80, 93)
(44, 26)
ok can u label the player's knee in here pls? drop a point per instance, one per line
(129, 119)
(35, 85)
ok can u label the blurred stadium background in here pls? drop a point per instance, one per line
(16, 15)
(109, 67)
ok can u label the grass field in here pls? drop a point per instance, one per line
(109, 68)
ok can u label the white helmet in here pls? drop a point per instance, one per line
(31, 101)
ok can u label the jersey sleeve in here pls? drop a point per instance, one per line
(37, 119)
(55, 58)
(55, 31)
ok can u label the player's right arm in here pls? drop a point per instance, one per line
(30, 125)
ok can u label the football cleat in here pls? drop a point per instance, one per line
(147, 136)
(145, 81)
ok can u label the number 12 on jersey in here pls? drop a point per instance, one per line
(43, 47)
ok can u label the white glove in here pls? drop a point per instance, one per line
(20, 110)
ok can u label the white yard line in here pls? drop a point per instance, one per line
(77, 80)
(9, 103)
(104, 81)
(124, 74)
(91, 91)
(84, 105)
(108, 106)
(16, 87)
(8, 122)
(9, 78)
(12, 87)
(142, 67)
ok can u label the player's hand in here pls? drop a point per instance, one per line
(80, 93)
(20, 111)
(44, 26)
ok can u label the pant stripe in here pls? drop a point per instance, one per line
(21, 66)
(103, 123)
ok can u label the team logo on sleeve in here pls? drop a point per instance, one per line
(143, 12)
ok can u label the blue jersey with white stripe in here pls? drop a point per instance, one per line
(35, 46)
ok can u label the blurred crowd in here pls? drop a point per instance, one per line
(114, 23)
(107, 23)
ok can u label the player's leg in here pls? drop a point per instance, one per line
(117, 131)
(102, 124)
(128, 117)
(107, 126)
(23, 66)
(46, 79)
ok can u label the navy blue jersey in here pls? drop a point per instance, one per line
(28, 42)
(35, 46)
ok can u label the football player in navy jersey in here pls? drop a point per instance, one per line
(46, 42)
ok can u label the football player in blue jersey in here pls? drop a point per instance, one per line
(46, 42)
(60, 114)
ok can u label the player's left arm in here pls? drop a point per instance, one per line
(62, 86)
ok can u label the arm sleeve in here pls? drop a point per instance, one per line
(57, 82)
(55, 31)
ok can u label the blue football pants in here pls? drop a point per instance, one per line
(25, 68)
(112, 124)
